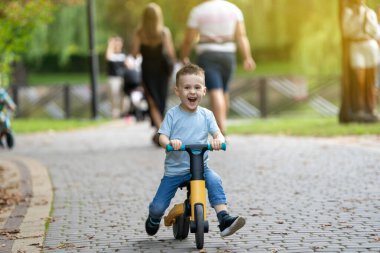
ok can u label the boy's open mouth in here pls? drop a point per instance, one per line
(192, 99)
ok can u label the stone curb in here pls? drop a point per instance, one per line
(23, 225)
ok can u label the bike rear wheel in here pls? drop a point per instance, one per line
(199, 222)
(181, 227)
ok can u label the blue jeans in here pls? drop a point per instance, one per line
(169, 185)
(219, 68)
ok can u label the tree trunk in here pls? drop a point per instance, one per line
(346, 112)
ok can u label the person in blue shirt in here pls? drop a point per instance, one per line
(6, 103)
(184, 124)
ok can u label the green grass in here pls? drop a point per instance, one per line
(285, 125)
(301, 126)
(45, 125)
(62, 78)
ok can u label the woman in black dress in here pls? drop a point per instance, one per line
(154, 42)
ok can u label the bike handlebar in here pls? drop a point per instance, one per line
(208, 146)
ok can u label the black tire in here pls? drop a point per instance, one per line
(181, 227)
(199, 222)
(10, 140)
(186, 227)
(178, 227)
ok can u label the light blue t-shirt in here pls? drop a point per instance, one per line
(190, 128)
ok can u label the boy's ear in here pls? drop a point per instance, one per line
(204, 90)
(176, 90)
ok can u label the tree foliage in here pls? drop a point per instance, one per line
(18, 19)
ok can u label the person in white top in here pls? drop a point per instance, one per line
(360, 29)
(219, 25)
(115, 69)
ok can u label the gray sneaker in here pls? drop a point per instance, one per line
(230, 225)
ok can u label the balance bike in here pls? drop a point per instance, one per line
(192, 213)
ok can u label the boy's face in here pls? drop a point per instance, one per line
(190, 90)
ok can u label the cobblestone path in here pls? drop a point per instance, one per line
(297, 194)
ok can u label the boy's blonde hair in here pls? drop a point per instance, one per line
(189, 69)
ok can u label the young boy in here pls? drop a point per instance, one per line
(6, 103)
(189, 123)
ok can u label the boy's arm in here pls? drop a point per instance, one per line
(218, 139)
(164, 141)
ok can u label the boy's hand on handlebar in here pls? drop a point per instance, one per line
(176, 144)
(216, 144)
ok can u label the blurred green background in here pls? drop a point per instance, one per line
(302, 33)
(50, 37)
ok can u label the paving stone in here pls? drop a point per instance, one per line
(297, 194)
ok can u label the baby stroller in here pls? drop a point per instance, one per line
(138, 105)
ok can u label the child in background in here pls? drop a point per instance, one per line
(6, 103)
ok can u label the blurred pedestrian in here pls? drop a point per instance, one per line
(360, 29)
(378, 64)
(6, 104)
(115, 58)
(154, 42)
(219, 25)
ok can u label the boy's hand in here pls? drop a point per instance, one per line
(176, 144)
(216, 144)
(217, 140)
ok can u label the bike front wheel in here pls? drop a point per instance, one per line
(199, 222)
